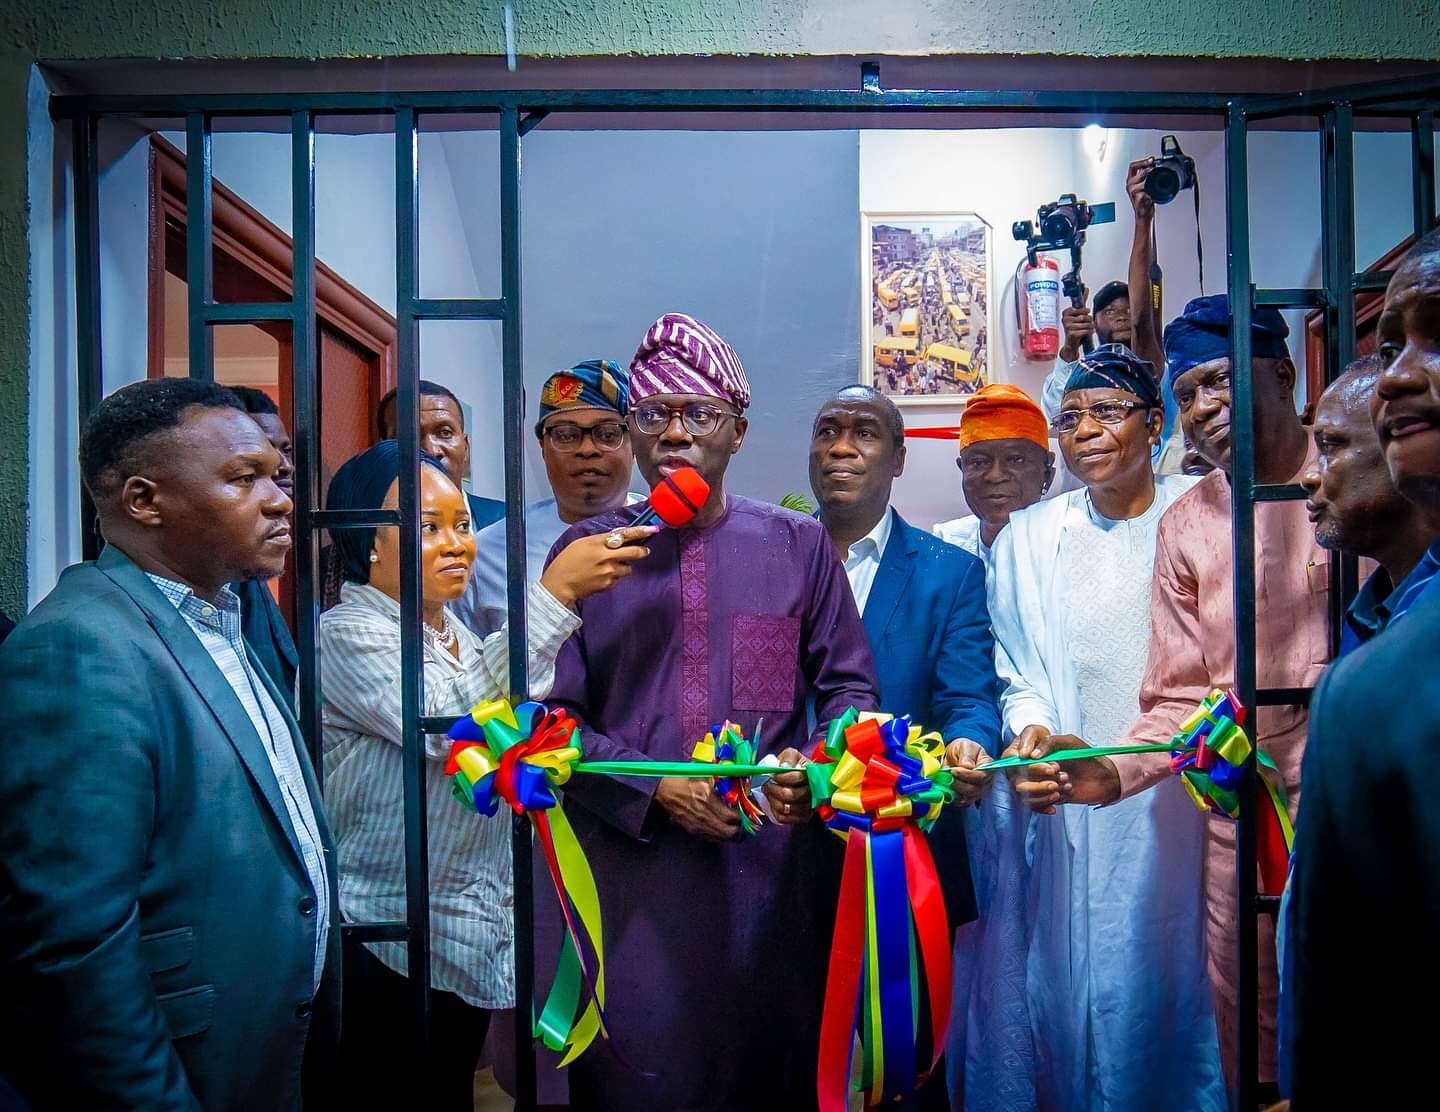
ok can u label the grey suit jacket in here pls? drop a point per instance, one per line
(157, 926)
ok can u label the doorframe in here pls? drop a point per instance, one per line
(260, 247)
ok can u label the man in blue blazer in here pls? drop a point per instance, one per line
(166, 874)
(923, 605)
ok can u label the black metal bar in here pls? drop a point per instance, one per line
(1372, 281)
(1283, 696)
(1337, 209)
(1242, 481)
(407, 417)
(306, 432)
(651, 100)
(1337, 217)
(460, 308)
(1290, 299)
(531, 120)
(1278, 492)
(1348, 588)
(1371, 95)
(396, 931)
(90, 388)
(437, 724)
(1422, 169)
(1267, 905)
(199, 271)
(237, 312)
(353, 519)
(513, 384)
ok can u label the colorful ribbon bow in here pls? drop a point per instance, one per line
(724, 745)
(521, 757)
(1209, 754)
(877, 781)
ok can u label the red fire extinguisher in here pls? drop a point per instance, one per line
(1037, 307)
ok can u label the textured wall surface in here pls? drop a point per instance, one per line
(327, 28)
(40, 30)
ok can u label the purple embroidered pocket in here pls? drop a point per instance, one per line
(765, 656)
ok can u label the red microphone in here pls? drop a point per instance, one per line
(675, 499)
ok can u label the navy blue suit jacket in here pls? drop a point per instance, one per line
(1367, 875)
(268, 636)
(929, 629)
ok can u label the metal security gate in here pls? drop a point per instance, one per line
(518, 113)
(1336, 111)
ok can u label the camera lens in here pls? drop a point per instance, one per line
(1058, 227)
(1162, 184)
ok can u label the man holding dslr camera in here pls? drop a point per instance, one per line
(1122, 313)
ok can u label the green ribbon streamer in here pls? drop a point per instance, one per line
(556, 1021)
(694, 770)
(1062, 755)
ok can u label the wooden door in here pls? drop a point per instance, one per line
(253, 261)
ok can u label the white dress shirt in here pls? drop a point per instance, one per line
(862, 561)
(964, 532)
(471, 898)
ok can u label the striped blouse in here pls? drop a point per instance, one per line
(471, 926)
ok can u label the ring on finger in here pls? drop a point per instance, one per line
(615, 539)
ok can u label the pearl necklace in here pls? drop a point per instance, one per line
(446, 639)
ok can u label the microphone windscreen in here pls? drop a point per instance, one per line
(677, 498)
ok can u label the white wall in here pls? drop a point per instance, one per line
(54, 506)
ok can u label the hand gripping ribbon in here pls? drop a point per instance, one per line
(877, 782)
(1209, 755)
(726, 746)
(520, 757)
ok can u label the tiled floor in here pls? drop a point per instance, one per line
(489, 1097)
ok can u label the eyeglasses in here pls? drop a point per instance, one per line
(567, 436)
(699, 419)
(1107, 413)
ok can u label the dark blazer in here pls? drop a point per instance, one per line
(157, 925)
(929, 629)
(271, 646)
(484, 511)
(1367, 876)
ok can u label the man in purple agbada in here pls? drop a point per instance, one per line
(715, 943)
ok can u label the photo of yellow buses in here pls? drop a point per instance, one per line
(929, 292)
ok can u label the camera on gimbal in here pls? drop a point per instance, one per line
(1062, 228)
(1062, 224)
(1172, 174)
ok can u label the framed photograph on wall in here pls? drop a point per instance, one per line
(925, 322)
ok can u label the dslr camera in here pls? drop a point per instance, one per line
(1062, 224)
(1172, 174)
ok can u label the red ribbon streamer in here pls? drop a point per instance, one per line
(933, 931)
(842, 982)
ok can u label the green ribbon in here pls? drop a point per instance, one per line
(693, 770)
(1062, 755)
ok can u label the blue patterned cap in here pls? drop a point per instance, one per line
(593, 384)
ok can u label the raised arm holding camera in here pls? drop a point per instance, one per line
(1121, 312)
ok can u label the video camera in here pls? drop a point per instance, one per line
(1062, 225)
(1062, 228)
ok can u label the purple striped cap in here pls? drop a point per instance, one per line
(679, 355)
